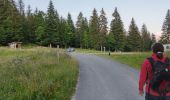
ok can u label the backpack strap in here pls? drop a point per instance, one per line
(151, 60)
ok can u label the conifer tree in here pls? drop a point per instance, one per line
(146, 38)
(94, 30)
(30, 27)
(165, 37)
(103, 28)
(39, 26)
(85, 36)
(116, 28)
(21, 7)
(82, 32)
(51, 29)
(153, 38)
(134, 38)
(70, 31)
(79, 30)
(64, 38)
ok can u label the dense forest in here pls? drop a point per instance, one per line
(45, 28)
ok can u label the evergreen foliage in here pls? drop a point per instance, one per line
(117, 30)
(94, 30)
(48, 28)
(146, 39)
(134, 38)
(165, 37)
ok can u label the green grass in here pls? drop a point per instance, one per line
(134, 60)
(36, 74)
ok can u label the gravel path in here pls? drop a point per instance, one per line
(104, 79)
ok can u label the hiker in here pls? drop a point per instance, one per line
(155, 74)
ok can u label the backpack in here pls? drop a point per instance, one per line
(161, 73)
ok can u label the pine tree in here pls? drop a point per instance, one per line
(82, 32)
(103, 28)
(70, 31)
(153, 38)
(51, 29)
(39, 26)
(79, 30)
(4, 4)
(64, 38)
(9, 22)
(134, 38)
(116, 28)
(30, 27)
(146, 38)
(94, 30)
(85, 35)
(21, 7)
(17, 25)
(165, 37)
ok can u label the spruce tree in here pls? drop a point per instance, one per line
(103, 28)
(82, 32)
(146, 38)
(85, 35)
(79, 30)
(116, 28)
(165, 37)
(153, 38)
(51, 29)
(134, 38)
(94, 30)
(30, 27)
(64, 38)
(21, 7)
(39, 26)
(9, 22)
(70, 31)
(3, 16)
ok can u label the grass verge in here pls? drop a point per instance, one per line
(133, 59)
(36, 74)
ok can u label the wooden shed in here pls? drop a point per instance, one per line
(15, 45)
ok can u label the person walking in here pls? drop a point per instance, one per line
(155, 74)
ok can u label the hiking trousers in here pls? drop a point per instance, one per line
(151, 97)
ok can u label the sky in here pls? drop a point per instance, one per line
(149, 12)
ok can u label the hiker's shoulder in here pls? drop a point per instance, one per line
(146, 61)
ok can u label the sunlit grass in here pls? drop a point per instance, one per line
(134, 60)
(36, 74)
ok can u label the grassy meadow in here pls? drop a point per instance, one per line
(37, 74)
(133, 59)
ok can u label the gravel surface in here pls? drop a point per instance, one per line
(104, 79)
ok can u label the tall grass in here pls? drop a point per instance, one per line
(36, 74)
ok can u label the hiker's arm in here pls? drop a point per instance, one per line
(143, 76)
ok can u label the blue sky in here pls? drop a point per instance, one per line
(150, 12)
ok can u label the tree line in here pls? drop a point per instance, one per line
(38, 27)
